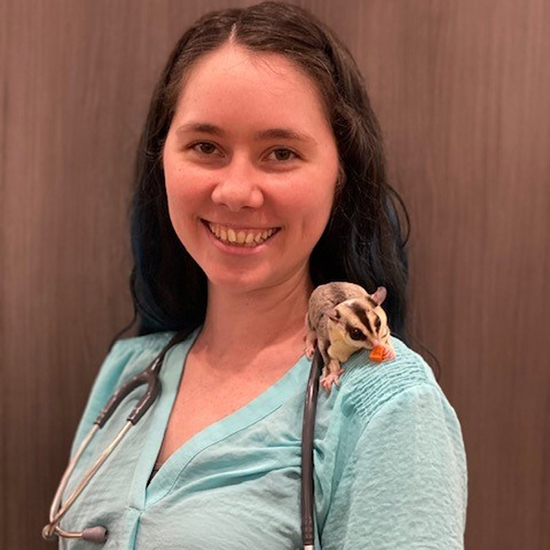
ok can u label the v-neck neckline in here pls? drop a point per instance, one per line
(142, 494)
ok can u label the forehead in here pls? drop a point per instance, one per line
(263, 84)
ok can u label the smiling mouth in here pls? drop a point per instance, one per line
(241, 237)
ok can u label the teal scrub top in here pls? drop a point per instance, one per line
(389, 458)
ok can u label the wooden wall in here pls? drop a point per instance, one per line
(462, 90)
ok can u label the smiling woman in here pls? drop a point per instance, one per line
(260, 176)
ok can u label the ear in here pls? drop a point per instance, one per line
(334, 315)
(380, 295)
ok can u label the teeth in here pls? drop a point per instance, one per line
(241, 237)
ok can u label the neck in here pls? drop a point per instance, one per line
(242, 327)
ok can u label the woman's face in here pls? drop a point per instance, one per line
(250, 164)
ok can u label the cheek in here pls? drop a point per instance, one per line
(181, 207)
(312, 206)
(182, 192)
(177, 201)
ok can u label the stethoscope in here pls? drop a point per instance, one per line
(150, 377)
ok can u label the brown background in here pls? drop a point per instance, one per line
(462, 90)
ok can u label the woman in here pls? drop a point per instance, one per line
(260, 176)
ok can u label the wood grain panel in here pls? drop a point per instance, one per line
(462, 91)
(468, 125)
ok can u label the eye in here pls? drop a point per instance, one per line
(282, 154)
(377, 323)
(357, 334)
(204, 148)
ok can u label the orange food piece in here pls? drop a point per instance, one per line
(377, 354)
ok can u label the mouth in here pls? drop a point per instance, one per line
(240, 237)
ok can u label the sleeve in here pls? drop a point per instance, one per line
(405, 485)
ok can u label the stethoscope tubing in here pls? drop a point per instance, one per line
(307, 503)
(150, 378)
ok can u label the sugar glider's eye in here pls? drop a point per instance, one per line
(357, 334)
(377, 323)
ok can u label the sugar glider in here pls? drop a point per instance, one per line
(343, 318)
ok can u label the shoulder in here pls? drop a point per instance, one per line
(368, 386)
(126, 351)
(153, 342)
(126, 358)
(392, 407)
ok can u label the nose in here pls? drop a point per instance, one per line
(237, 186)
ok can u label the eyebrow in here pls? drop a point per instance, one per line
(201, 128)
(282, 133)
(270, 133)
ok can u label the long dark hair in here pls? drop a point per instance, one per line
(363, 242)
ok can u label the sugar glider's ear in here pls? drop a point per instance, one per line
(334, 315)
(379, 295)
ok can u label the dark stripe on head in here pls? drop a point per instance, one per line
(361, 315)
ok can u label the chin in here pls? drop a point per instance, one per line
(235, 283)
(246, 282)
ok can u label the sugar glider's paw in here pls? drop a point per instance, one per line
(330, 379)
(309, 350)
(389, 353)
